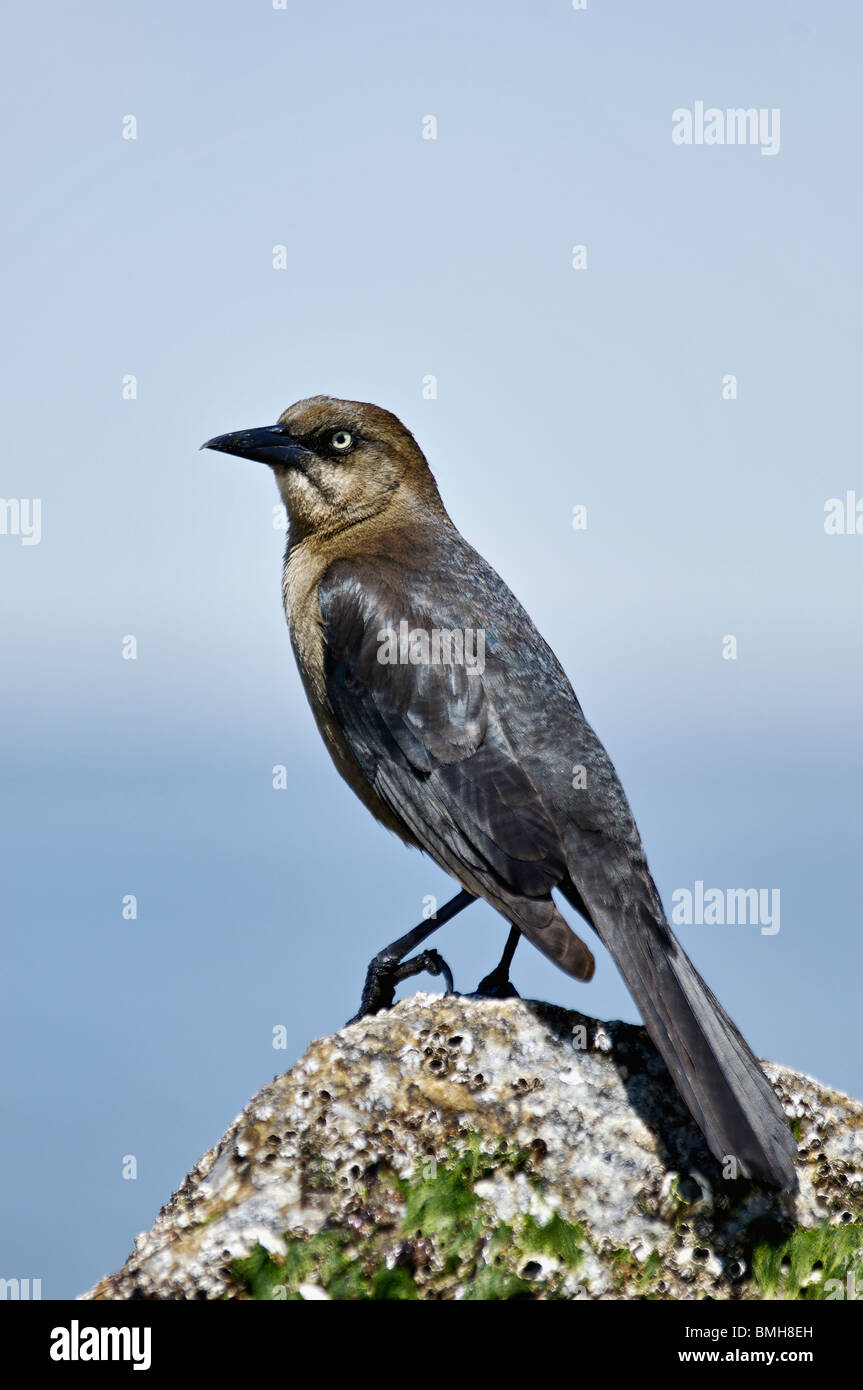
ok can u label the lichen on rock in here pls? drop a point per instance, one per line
(455, 1148)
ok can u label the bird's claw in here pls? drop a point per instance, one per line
(382, 979)
(495, 986)
(434, 964)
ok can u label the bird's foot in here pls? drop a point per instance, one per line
(497, 985)
(384, 975)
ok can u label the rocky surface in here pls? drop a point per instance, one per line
(462, 1148)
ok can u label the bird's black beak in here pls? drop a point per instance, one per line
(269, 444)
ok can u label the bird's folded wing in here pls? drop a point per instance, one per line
(428, 739)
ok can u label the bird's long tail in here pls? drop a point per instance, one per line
(712, 1065)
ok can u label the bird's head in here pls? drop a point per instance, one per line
(337, 463)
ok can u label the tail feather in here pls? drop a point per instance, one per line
(712, 1065)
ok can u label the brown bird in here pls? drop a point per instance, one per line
(453, 721)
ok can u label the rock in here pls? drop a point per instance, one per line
(462, 1148)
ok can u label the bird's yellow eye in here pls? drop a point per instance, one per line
(341, 440)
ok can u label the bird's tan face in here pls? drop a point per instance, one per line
(337, 463)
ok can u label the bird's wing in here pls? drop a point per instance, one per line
(428, 739)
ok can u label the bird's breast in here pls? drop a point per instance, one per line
(300, 579)
(302, 574)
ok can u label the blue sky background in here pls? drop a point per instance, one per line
(406, 257)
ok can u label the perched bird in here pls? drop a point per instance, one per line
(464, 744)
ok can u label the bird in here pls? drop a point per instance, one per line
(464, 746)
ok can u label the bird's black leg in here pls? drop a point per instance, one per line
(389, 966)
(497, 985)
